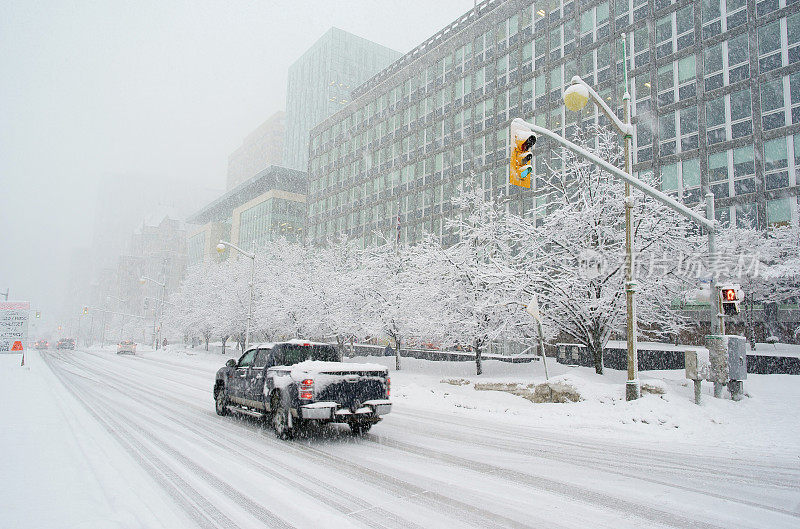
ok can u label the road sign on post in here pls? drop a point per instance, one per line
(13, 326)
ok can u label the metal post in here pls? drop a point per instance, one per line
(718, 319)
(250, 310)
(155, 323)
(541, 346)
(103, 333)
(632, 386)
(161, 312)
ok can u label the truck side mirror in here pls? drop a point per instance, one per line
(230, 363)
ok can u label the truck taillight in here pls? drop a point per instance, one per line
(306, 389)
(388, 386)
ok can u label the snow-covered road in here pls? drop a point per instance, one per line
(420, 467)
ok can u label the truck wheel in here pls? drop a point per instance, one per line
(221, 402)
(280, 420)
(360, 428)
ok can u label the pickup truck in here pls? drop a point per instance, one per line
(296, 383)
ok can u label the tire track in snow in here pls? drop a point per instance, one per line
(401, 488)
(585, 451)
(367, 513)
(193, 504)
(612, 468)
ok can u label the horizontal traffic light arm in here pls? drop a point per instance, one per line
(616, 171)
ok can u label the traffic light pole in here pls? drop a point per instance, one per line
(707, 222)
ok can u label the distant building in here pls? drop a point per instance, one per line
(320, 82)
(269, 205)
(260, 149)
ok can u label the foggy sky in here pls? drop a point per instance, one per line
(106, 92)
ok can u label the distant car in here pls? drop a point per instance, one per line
(42, 344)
(66, 343)
(126, 347)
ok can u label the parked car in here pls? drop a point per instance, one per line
(297, 383)
(126, 347)
(66, 343)
(42, 344)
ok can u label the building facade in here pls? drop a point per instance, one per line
(715, 91)
(269, 205)
(320, 82)
(260, 149)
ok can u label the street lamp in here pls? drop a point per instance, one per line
(252, 256)
(575, 98)
(143, 280)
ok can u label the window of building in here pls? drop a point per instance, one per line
(687, 75)
(715, 120)
(669, 178)
(688, 125)
(772, 105)
(736, 11)
(642, 91)
(741, 114)
(641, 47)
(779, 212)
(769, 46)
(744, 169)
(713, 67)
(666, 85)
(718, 173)
(711, 14)
(666, 124)
(776, 173)
(690, 178)
(502, 71)
(555, 43)
(621, 13)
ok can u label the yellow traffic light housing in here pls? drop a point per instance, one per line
(522, 142)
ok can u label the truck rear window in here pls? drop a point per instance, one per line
(293, 354)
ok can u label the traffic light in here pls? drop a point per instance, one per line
(146, 304)
(730, 296)
(38, 314)
(86, 310)
(522, 142)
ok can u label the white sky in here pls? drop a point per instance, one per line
(155, 89)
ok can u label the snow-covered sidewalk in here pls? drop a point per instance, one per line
(59, 467)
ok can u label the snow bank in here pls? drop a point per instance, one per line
(59, 467)
(764, 421)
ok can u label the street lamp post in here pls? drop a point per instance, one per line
(160, 311)
(575, 98)
(252, 256)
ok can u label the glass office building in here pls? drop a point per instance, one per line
(320, 82)
(715, 89)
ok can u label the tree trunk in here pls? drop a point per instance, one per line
(207, 338)
(597, 354)
(478, 360)
(340, 345)
(397, 352)
(224, 339)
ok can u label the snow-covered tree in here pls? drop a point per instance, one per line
(477, 287)
(579, 249)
